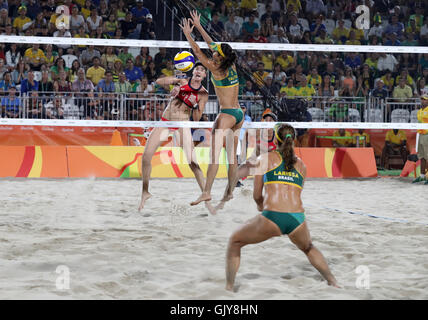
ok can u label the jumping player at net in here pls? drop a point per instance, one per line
(281, 207)
(230, 119)
(188, 99)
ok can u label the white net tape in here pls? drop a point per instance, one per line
(208, 125)
(203, 45)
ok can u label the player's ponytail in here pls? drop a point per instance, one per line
(229, 58)
(285, 135)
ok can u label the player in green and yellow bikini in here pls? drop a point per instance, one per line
(230, 119)
(281, 174)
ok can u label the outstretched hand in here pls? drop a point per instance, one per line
(196, 18)
(186, 27)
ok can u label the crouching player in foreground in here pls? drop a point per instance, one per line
(281, 207)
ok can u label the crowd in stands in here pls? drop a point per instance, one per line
(96, 74)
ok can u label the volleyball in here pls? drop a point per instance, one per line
(184, 61)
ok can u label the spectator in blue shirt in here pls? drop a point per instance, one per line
(106, 84)
(4, 5)
(353, 60)
(249, 26)
(392, 41)
(11, 104)
(29, 84)
(33, 9)
(395, 26)
(139, 12)
(317, 26)
(381, 91)
(132, 72)
(7, 82)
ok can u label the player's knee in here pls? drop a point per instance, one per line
(193, 165)
(307, 248)
(235, 241)
(147, 159)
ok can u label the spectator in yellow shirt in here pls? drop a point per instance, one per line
(371, 61)
(323, 38)
(248, 6)
(294, 6)
(289, 90)
(388, 80)
(260, 74)
(341, 33)
(21, 20)
(412, 27)
(359, 33)
(395, 143)
(169, 70)
(96, 72)
(405, 75)
(285, 60)
(305, 90)
(314, 79)
(81, 34)
(402, 92)
(267, 58)
(340, 143)
(86, 9)
(34, 57)
(353, 38)
(361, 138)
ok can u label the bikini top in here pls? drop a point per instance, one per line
(280, 175)
(186, 92)
(231, 80)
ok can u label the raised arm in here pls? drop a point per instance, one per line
(187, 30)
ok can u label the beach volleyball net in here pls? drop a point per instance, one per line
(350, 101)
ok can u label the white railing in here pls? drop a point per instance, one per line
(137, 107)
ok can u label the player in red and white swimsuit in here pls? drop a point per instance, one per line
(188, 98)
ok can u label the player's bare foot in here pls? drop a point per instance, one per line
(210, 207)
(219, 206)
(229, 287)
(227, 197)
(203, 197)
(333, 284)
(144, 197)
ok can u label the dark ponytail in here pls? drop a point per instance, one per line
(285, 135)
(230, 57)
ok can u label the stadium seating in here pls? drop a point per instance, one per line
(373, 115)
(400, 115)
(317, 114)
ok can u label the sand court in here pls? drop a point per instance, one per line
(92, 229)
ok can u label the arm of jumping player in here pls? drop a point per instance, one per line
(187, 30)
(167, 81)
(196, 20)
